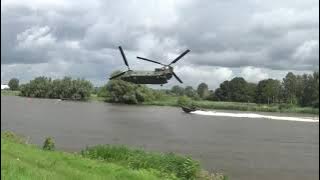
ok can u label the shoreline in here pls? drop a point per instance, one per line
(208, 105)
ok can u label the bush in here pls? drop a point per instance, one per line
(13, 137)
(44, 87)
(169, 163)
(48, 144)
(184, 101)
(125, 92)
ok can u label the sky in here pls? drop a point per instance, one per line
(253, 39)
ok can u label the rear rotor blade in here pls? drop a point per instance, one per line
(150, 60)
(179, 57)
(115, 76)
(123, 56)
(174, 74)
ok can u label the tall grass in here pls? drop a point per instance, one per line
(169, 163)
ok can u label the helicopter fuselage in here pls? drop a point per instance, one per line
(159, 76)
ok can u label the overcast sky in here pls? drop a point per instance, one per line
(254, 39)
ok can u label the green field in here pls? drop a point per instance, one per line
(24, 161)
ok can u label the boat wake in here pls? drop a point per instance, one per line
(252, 115)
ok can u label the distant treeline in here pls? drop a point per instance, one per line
(302, 90)
(294, 89)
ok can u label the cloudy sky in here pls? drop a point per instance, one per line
(254, 39)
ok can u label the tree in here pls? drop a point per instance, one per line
(211, 96)
(235, 90)
(290, 88)
(126, 92)
(310, 95)
(190, 92)
(177, 90)
(268, 91)
(251, 91)
(239, 90)
(203, 90)
(13, 84)
(223, 92)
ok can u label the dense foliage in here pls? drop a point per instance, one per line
(44, 87)
(13, 84)
(119, 91)
(300, 90)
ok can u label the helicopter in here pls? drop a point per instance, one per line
(158, 76)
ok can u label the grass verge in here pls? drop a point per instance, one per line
(172, 101)
(9, 93)
(23, 161)
(20, 160)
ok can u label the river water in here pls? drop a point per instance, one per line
(243, 148)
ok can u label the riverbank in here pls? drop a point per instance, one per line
(218, 105)
(20, 160)
(253, 107)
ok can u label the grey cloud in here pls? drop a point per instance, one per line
(232, 34)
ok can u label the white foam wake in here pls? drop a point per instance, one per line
(252, 115)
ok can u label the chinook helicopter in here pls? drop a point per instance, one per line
(158, 76)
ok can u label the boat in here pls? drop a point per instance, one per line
(70, 99)
(188, 109)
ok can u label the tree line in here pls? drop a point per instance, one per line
(294, 89)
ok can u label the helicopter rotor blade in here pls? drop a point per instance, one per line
(124, 57)
(115, 76)
(174, 74)
(150, 60)
(179, 57)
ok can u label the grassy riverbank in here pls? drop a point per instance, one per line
(20, 160)
(173, 101)
(9, 93)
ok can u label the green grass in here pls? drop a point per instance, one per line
(167, 163)
(20, 160)
(9, 93)
(165, 101)
(95, 97)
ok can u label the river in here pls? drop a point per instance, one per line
(243, 148)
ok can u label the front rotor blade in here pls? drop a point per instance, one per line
(174, 74)
(179, 57)
(149, 60)
(123, 56)
(115, 76)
